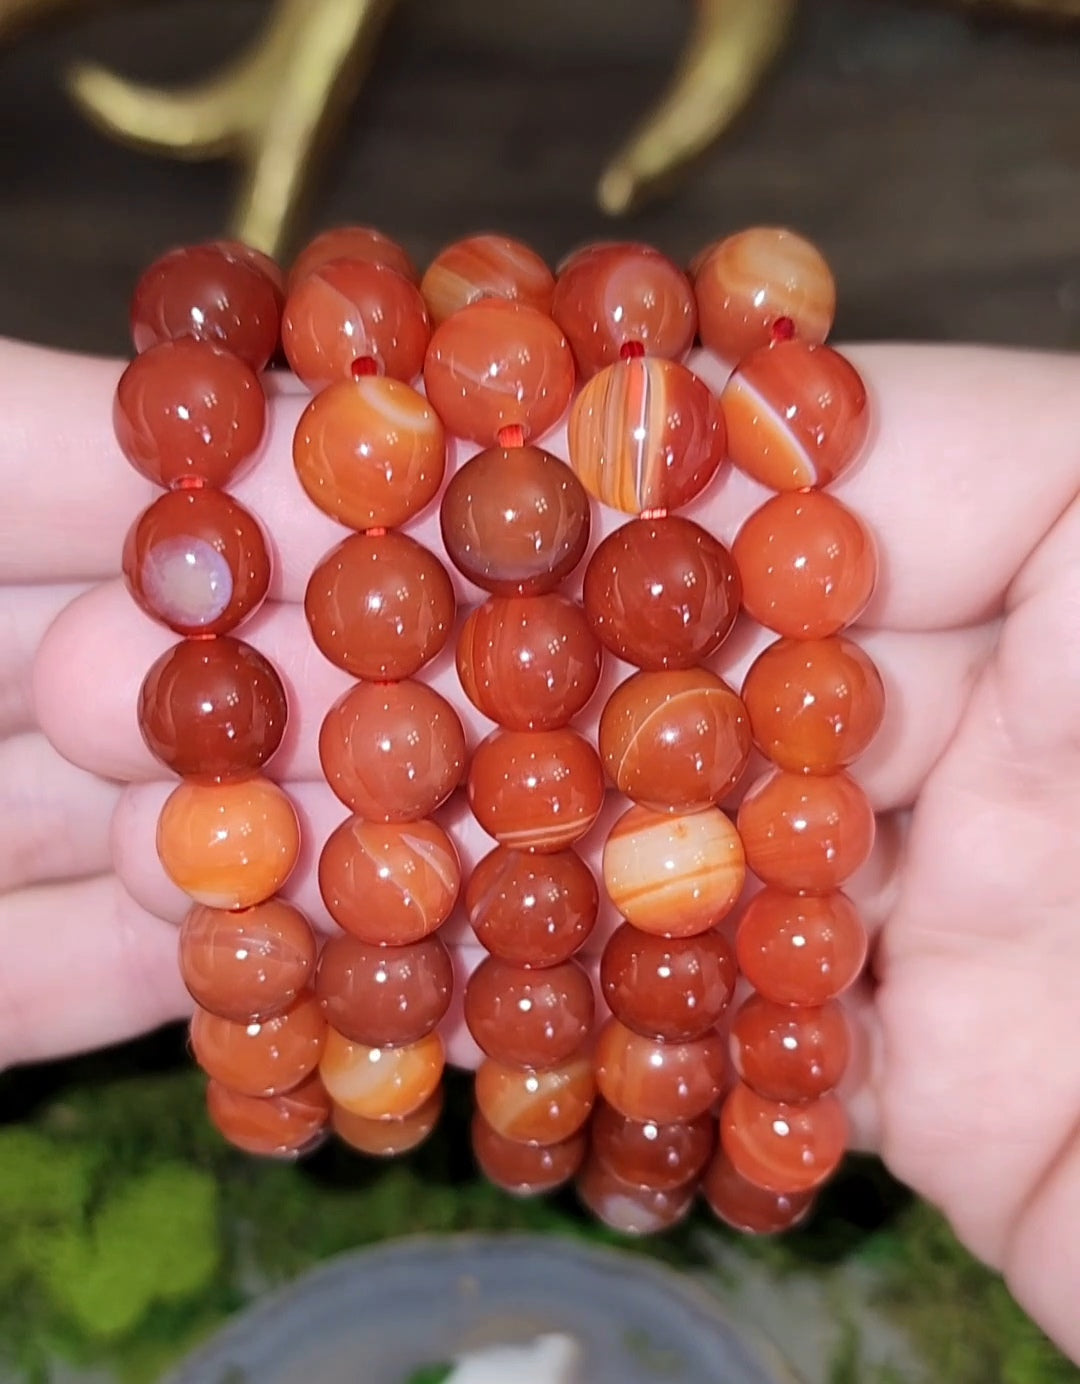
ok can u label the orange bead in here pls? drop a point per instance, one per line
(537, 790)
(384, 996)
(388, 1138)
(788, 1149)
(749, 1209)
(370, 452)
(285, 1126)
(228, 845)
(645, 434)
(649, 1079)
(532, 910)
(806, 833)
(495, 365)
(647, 1154)
(530, 1106)
(351, 243)
(381, 1083)
(675, 988)
(787, 1052)
(246, 965)
(674, 875)
(800, 949)
(257, 259)
(260, 1059)
(485, 266)
(631, 1210)
(525, 1170)
(529, 1018)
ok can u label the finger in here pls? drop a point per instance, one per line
(26, 612)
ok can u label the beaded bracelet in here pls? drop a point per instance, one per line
(639, 1083)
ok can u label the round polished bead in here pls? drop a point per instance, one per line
(648, 1079)
(807, 565)
(796, 415)
(543, 1106)
(526, 1017)
(646, 1154)
(525, 1170)
(257, 259)
(284, 1126)
(532, 910)
(361, 243)
(748, 282)
(806, 832)
(800, 949)
(790, 1149)
(645, 434)
(674, 876)
(515, 520)
(631, 1210)
(662, 593)
(814, 704)
(388, 1138)
(381, 1083)
(212, 709)
(209, 294)
(787, 1052)
(387, 882)
(246, 965)
(485, 266)
(747, 1208)
(496, 365)
(263, 1058)
(380, 606)
(675, 988)
(674, 740)
(536, 790)
(611, 296)
(197, 561)
(384, 996)
(187, 412)
(528, 662)
(228, 845)
(370, 452)
(392, 752)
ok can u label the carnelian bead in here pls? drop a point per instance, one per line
(525, 1170)
(263, 1058)
(515, 520)
(495, 365)
(796, 415)
(389, 883)
(485, 266)
(197, 561)
(661, 593)
(392, 752)
(257, 259)
(608, 296)
(370, 452)
(674, 876)
(187, 412)
(631, 1210)
(535, 1106)
(528, 662)
(532, 910)
(284, 1126)
(800, 949)
(647, 1154)
(746, 283)
(536, 790)
(529, 1018)
(803, 832)
(807, 565)
(661, 987)
(790, 1149)
(228, 845)
(351, 243)
(212, 709)
(649, 1079)
(381, 1083)
(674, 740)
(388, 1138)
(211, 295)
(747, 1208)
(380, 606)
(814, 704)
(384, 996)
(246, 965)
(787, 1052)
(645, 434)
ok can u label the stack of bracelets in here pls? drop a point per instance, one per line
(703, 1054)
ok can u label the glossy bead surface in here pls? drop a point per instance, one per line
(645, 434)
(515, 520)
(262, 1058)
(197, 561)
(672, 988)
(529, 1018)
(257, 259)
(528, 662)
(388, 1138)
(212, 709)
(661, 593)
(749, 1209)
(806, 832)
(790, 1149)
(495, 365)
(647, 1079)
(380, 606)
(387, 882)
(674, 740)
(284, 1126)
(228, 845)
(674, 876)
(800, 949)
(744, 283)
(536, 790)
(246, 965)
(535, 1107)
(647, 1154)
(381, 1083)
(370, 452)
(187, 412)
(525, 1170)
(485, 266)
(807, 565)
(351, 243)
(789, 1053)
(532, 910)
(384, 996)
(814, 704)
(631, 1210)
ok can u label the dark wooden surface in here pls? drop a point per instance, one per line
(937, 161)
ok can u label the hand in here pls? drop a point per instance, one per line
(969, 1083)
